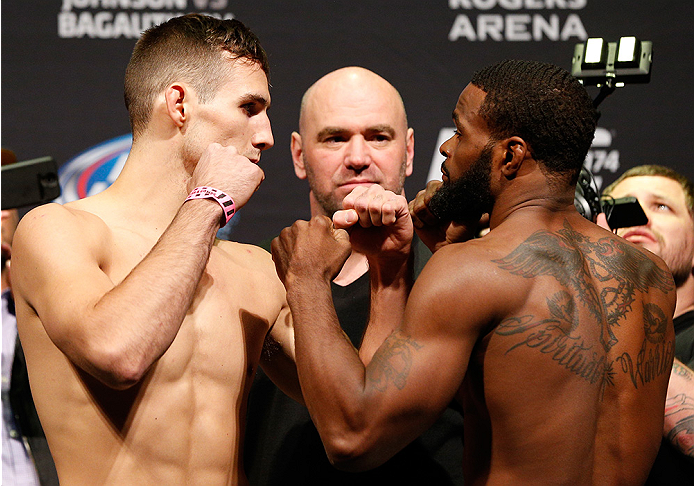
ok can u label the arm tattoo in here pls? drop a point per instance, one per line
(576, 262)
(655, 355)
(392, 362)
(682, 434)
(680, 370)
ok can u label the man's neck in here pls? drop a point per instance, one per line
(685, 297)
(532, 192)
(355, 266)
(152, 184)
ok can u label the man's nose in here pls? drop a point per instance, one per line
(357, 154)
(444, 149)
(262, 138)
(649, 216)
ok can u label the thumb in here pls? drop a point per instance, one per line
(345, 218)
(340, 235)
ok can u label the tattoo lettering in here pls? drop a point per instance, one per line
(556, 337)
(577, 262)
(392, 363)
(655, 355)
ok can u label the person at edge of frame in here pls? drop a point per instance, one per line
(26, 459)
(141, 330)
(667, 199)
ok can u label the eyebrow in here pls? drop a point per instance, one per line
(662, 197)
(255, 98)
(328, 131)
(657, 197)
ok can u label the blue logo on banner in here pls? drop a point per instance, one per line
(93, 170)
(96, 168)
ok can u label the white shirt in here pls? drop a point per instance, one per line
(17, 467)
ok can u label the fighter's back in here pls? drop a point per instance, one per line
(568, 385)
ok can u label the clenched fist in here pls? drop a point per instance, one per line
(225, 169)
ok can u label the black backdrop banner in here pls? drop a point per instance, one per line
(63, 63)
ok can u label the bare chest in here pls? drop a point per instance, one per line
(222, 333)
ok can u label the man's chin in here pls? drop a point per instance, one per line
(647, 245)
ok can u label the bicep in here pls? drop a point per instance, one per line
(56, 272)
(419, 369)
(278, 358)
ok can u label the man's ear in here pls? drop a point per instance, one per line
(514, 152)
(410, 152)
(298, 155)
(175, 96)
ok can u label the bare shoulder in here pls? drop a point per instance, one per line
(637, 260)
(494, 276)
(578, 246)
(53, 214)
(459, 262)
(54, 225)
(466, 263)
(462, 279)
(55, 239)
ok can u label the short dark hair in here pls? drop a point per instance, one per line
(188, 48)
(662, 171)
(544, 105)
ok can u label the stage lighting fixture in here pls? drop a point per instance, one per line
(612, 64)
(595, 54)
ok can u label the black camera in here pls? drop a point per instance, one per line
(30, 182)
(620, 213)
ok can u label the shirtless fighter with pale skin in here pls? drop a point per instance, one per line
(555, 335)
(142, 332)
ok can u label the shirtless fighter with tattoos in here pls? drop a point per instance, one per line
(555, 335)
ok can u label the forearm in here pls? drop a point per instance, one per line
(353, 408)
(331, 375)
(391, 283)
(679, 409)
(134, 323)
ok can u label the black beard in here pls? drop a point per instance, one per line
(469, 197)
